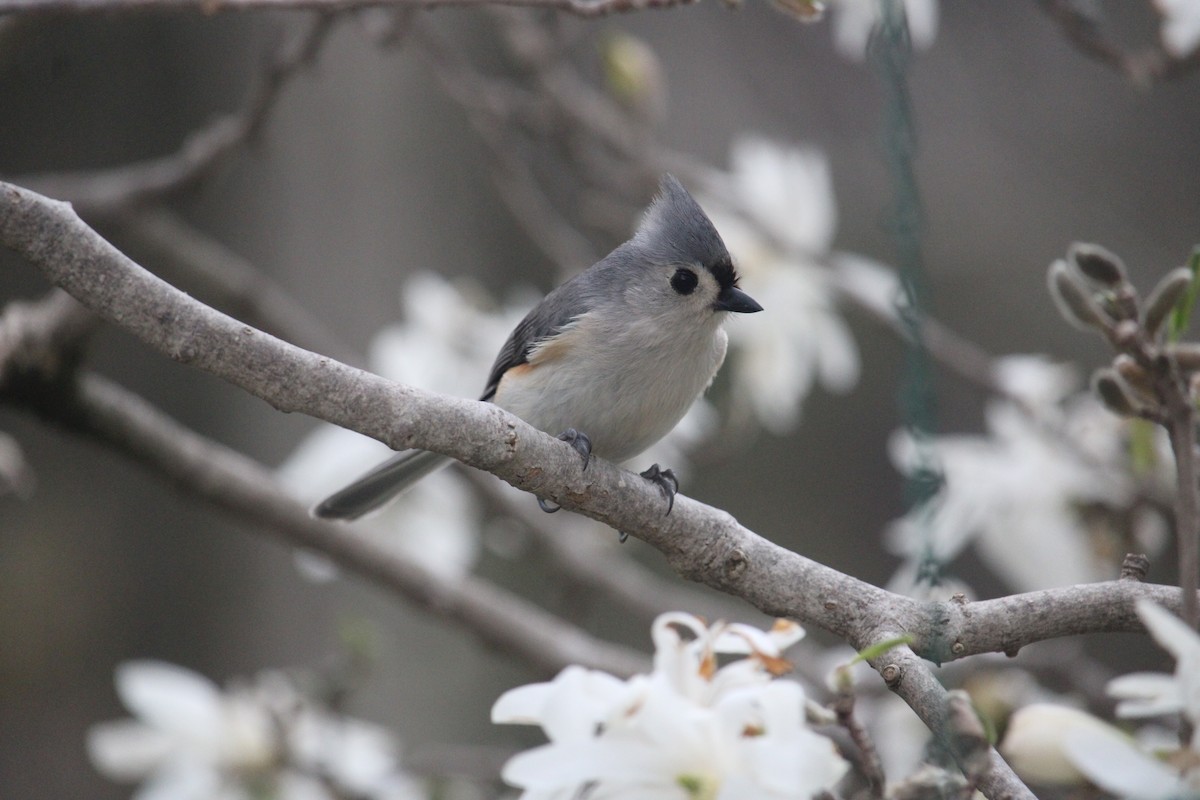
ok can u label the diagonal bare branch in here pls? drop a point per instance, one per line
(106, 192)
(701, 543)
(581, 8)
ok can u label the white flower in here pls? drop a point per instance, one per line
(188, 739)
(446, 343)
(854, 21)
(1117, 765)
(1180, 26)
(688, 731)
(435, 523)
(1146, 694)
(1120, 765)
(1035, 744)
(777, 217)
(1019, 490)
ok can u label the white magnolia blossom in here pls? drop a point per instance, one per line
(189, 740)
(1180, 26)
(1122, 766)
(446, 343)
(855, 20)
(690, 730)
(1035, 743)
(777, 216)
(1016, 493)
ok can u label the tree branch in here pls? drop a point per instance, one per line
(1142, 68)
(701, 543)
(105, 192)
(581, 8)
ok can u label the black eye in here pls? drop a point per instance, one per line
(684, 281)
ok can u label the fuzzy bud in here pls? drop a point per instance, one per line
(1186, 355)
(1097, 264)
(1134, 376)
(1074, 300)
(1166, 295)
(1113, 392)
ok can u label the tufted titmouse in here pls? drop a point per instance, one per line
(613, 358)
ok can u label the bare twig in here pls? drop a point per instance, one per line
(492, 108)
(581, 8)
(106, 192)
(1142, 68)
(39, 336)
(701, 543)
(1182, 428)
(869, 763)
(233, 483)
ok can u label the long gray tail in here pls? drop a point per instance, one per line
(380, 485)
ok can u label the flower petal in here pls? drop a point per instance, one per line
(170, 698)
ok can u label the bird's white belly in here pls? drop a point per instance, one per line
(624, 398)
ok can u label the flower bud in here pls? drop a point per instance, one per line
(635, 76)
(1033, 743)
(1097, 264)
(1113, 393)
(1166, 295)
(1074, 300)
(1134, 377)
(1186, 355)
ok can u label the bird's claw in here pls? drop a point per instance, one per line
(666, 480)
(581, 442)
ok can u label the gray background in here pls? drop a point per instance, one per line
(368, 171)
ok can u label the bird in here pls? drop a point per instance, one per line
(609, 361)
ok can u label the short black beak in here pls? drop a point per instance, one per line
(737, 301)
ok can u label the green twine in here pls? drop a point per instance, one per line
(891, 51)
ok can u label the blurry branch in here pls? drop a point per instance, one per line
(492, 107)
(188, 257)
(92, 406)
(1079, 24)
(43, 336)
(106, 192)
(582, 8)
(701, 543)
(953, 351)
(590, 564)
(233, 483)
(556, 117)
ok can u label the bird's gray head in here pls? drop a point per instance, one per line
(690, 269)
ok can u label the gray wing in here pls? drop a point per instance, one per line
(547, 318)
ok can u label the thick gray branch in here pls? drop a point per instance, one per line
(582, 8)
(701, 543)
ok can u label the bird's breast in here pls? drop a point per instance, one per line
(625, 388)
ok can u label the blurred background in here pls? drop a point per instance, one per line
(369, 169)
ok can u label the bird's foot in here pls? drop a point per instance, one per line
(666, 480)
(582, 445)
(580, 441)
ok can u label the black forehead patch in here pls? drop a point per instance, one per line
(724, 272)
